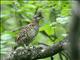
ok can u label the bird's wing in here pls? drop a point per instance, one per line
(25, 32)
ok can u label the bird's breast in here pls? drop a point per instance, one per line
(33, 32)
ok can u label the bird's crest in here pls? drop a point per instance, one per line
(38, 14)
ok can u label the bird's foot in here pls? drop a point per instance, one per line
(26, 47)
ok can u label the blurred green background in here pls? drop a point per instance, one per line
(18, 13)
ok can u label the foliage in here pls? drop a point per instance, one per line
(15, 14)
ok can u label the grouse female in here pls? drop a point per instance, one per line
(28, 32)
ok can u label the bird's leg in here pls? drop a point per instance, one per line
(26, 47)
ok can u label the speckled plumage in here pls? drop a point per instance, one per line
(28, 32)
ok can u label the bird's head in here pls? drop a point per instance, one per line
(38, 16)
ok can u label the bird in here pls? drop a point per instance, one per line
(28, 33)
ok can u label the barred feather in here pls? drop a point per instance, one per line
(28, 32)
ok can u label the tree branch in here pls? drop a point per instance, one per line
(39, 52)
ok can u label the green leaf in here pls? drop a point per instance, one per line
(48, 29)
(6, 2)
